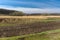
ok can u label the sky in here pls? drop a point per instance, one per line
(32, 6)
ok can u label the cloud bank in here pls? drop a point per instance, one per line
(32, 10)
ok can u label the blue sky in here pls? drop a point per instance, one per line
(38, 6)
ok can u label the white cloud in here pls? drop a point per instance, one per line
(32, 10)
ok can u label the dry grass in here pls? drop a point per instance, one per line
(29, 17)
(26, 19)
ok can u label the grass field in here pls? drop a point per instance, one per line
(48, 27)
(15, 20)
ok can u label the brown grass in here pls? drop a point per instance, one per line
(29, 16)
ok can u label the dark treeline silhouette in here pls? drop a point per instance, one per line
(11, 12)
(5, 11)
(44, 14)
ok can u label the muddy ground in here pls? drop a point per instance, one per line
(23, 29)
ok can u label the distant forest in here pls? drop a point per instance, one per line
(19, 13)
